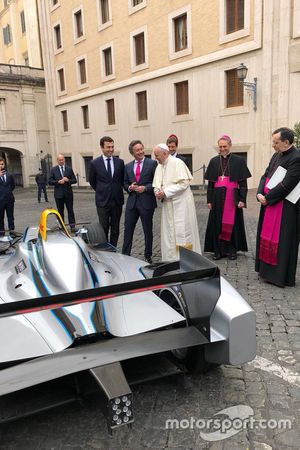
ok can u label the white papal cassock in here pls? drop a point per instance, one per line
(179, 225)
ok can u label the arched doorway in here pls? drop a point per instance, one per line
(13, 163)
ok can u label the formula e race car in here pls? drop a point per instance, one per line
(69, 305)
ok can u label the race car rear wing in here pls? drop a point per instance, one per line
(191, 268)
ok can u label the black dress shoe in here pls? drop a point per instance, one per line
(148, 259)
(232, 256)
(217, 256)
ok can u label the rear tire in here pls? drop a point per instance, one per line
(95, 233)
(191, 358)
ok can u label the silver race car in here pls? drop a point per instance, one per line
(70, 305)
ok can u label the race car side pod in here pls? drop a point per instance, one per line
(105, 292)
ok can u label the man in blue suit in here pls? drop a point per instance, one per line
(106, 178)
(7, 200)
(141, 201)
(62, 177)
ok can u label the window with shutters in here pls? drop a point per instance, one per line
(104, 10)
(234, 89)
(82, 76)
(180, 32)
(110, 109)
(57, 37)
(78, 25)
(136, 5)
(6, 35)
(139, 50)
(182, 98)
(107, 62)
(139, 47)
(23, 24)
(85, 117)
(64, 116)
(61, 80)
(141, 99)
(234, 15)
(234, 19)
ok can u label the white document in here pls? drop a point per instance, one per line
(277, 177)
(294, 195)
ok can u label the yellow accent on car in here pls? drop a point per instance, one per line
(43, 222)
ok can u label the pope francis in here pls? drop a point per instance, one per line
(171, 183)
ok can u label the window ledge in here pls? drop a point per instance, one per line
(134, 9)
(105, 25)
(78, 40)
(111, 127)
(233, 36)
(182, 118)
(140, 67)
(83, 86)
(234, 110)
(142, 123)
(86, 131)
(180, 54)
(109, 77)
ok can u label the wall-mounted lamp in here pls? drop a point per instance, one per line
(242, 73)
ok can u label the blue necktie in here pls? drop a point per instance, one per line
(109, 167)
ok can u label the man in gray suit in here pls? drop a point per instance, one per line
(141, 201)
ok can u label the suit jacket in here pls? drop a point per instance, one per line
(6, 190)
(107, 188)
(62, 190)
(146, 199)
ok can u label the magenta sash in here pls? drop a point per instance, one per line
(229, 207)
(270, 232)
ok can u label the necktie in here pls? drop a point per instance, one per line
(138, 171)
(62, 171)
(109, 167)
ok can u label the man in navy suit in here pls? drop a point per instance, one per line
(62, 177)
(141, 202)
(172, 143)
(7, 200)
(106, 178)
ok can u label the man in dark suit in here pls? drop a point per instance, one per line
(106, 178)
(41, 181)
(141, 202)
(62, 177)
(7, 200)
(172, 143)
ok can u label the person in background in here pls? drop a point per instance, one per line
(41, 181)
(226, 197)
(7, 199)
(172, 143)
(62, 177)
(141, 200)
(179, 227)
(279, 220)
(106, 178)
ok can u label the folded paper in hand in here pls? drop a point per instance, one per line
(277, 177)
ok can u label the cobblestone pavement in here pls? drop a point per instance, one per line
(270, 385)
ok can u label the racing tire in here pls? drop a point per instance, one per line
(95, 233)
(194, 361)
(191, 358)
